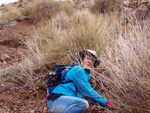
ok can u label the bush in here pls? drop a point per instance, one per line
(45, 10)
(84, 31)
(9, 14)
(57, 45)
(106, 6)
(42, 10)
(126, 65)
(30, 72)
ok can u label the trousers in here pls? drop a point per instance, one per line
(68, 104)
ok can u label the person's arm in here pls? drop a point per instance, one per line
(80, 79)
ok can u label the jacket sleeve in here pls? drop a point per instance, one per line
(80, 79)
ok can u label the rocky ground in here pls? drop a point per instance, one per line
(21, 100)
(15, 99)
(12, 42)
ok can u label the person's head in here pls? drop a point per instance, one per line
(88, 58)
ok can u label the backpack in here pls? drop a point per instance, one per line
(57, 76)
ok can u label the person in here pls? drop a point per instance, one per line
(67, 98)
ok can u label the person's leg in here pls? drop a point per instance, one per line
(68, 104)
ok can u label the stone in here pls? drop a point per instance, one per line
(143, 8)
(10, 23)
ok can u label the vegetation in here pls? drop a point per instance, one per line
(10, 13)
(127, 65)
(106, 6)
(44, 10)
(123, 76)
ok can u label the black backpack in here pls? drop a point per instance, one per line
(57, 76)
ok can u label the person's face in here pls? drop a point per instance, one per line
(88, 62)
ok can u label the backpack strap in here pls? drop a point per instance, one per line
(67, 68)
(74, 84)
(53, 96)
(76, 88)
(67, 82)
(64, 72)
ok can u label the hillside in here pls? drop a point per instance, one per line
(31, 42)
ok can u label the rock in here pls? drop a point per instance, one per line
(3, 57)
(20, 18)
(26, 88)
(10, 23)
(143, 8)
(8, 86)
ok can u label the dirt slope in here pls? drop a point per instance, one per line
(12, 42)
(14, 99)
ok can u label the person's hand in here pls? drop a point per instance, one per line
(109, 105)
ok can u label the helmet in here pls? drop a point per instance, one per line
(82, 54)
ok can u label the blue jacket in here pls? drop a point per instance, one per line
(80, 77)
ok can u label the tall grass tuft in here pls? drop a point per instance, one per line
(45, 10)
(84, 31)
(54, 44)
(106, 6)
(42, 10)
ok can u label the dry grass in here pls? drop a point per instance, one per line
(42, 10)
(68, 7)
(45, 10)
(125, 65)
(54, 44)
(30, 72)
(83, 31)
(106, 6)
(125, 57)
(9, 14)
